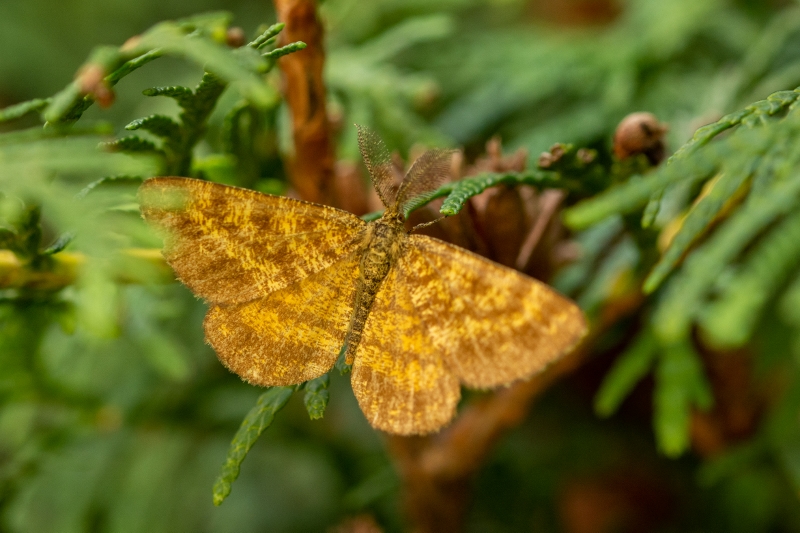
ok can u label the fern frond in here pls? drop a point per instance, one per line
(463, 190)
(189, 39)
(182, 137)
(265, 38)
(458, 192)
(206, 93)
(317, 395)
(730, 321)
(634, 193)
(23, 108)
(284, 50)
(681, 167)
(628, 370)
(182, 95)
(67, 106)
(257, 420)
(684, 294)
(680, 386)
(159, 125)
(105, 179)
(696, 222)
(241, 68)
(134, 64)
(130, 144)
(78, 155)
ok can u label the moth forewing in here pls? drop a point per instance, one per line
(232, 245)
(492, 324)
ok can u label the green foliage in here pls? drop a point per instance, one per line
(284, 50)
(747, 249)
(180, 138)
(20, 110)
(257, 420)
(115, 416)
(458, 192)
(576, 171)
(680, 386)
(63, 151)
(628, 370)
(317, 395)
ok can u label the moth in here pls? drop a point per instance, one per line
(292, 284)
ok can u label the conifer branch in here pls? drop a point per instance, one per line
(257, 420)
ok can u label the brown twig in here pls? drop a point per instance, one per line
(437, 470)
(311, 168)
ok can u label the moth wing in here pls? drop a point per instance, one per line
(399, 379)
(492, 324)
(232, 245)
(293, 334)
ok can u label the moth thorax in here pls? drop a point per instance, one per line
(382, 251)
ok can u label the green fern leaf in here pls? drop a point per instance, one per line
(132, 143)
(136, 63)
(257, 420)
(317, 395)
(635, 193)
(78, 155)
(697, 220)
(652, 209)
(205, 98)
(730, 321)
(680, 386)
(265, 38)
(229, 66)
(685, 293)
(23, 108)
(159, 125)
(458, 192)
(182, 95)
(683, 166)
(627, 371)
(284, 50)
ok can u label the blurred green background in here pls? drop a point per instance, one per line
(118, 417)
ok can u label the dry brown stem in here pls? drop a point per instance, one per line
(311, 168)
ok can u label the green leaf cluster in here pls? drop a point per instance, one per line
(728, 254)
(115, 416)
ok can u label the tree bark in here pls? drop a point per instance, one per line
(311, 167)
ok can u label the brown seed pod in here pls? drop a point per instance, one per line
(91, 80)
(235, 37)
(548, 159)
(640, 133)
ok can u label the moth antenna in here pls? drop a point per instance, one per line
(427, 173)
(379, 164)
(426, 224)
